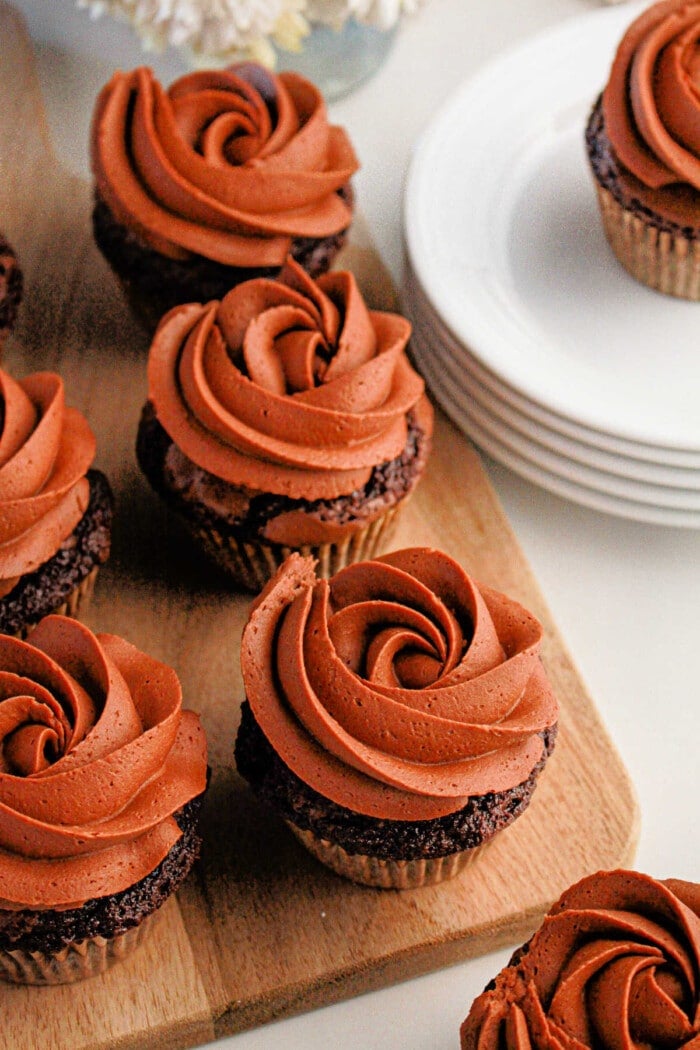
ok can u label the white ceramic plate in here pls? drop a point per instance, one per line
(420, 311)
(476, 420)
(502, 231)
(562, 485)
(462, 375)
(648, 482)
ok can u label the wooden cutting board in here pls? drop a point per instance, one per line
(261, 930)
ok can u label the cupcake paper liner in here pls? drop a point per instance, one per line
(252, 564)
(75, 962)
(667, 262)
(80, 597)
(386, 874)
(75, 602)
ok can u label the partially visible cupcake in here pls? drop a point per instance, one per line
(643, 142)
(214, 181)
(101, 778)
(55, 511)
(286, 417)
(11, 283)
(397, 716)
(615, 966)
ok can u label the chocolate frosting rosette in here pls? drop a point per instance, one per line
(55, 512)
(615, 966)
(216, 179)
(643, 143)
(99, 772)
(285, 417)
(397, 716)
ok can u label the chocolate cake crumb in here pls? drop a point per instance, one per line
(49, 930)
(275, 784)
(606, 169)
(389, 482)
(156, 283)
(11, 285)
(40, 592)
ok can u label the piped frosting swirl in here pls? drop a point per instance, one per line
(45, 451)
(229, 164)
(399, 688)
(651, 103)
(96, 754)
(291, 387)
(615, 966)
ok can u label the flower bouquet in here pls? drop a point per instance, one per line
(230, 30)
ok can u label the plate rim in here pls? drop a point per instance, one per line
(588, 478)
(416, 306)
(565, 488)
(626, 468)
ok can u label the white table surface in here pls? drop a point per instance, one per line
(625, 596)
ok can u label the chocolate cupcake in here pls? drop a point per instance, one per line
(616, 964)
(101, 778)
(284, 418)
(643, 143)
(397, 717)
(11, 284)
(55, 512)
(215, 181)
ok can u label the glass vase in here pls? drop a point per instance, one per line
(339, 60)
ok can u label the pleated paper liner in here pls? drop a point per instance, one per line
(74, 962)
(75, 603)
(80, 596)
(666, 262)
(386, 874)
(252, 564)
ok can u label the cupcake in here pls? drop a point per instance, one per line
(10, 289)
(55, 512)
(215, 181)
(101, 779)
(643, 142)
(397, 717)
(284, 418)
(615, 966)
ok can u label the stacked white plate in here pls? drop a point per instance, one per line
(529, 333)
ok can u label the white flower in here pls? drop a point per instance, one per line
(220, 29)
(224, 30)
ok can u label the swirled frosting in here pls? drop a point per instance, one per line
(96, 754)
(615, 966)
(291, 387)
(230, 164)
(651, 106)
(400, 688)
(45, 451)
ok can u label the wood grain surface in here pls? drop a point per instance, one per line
(260, 929)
